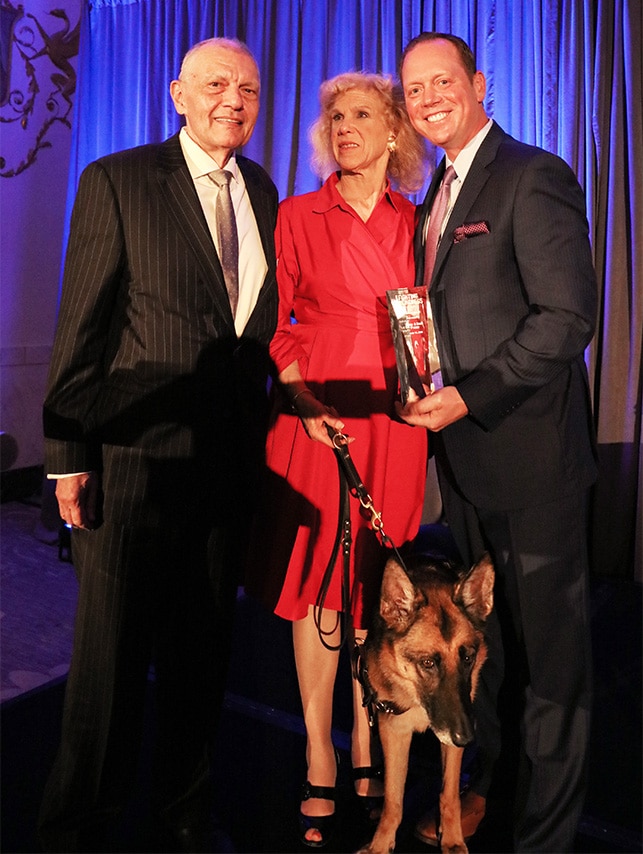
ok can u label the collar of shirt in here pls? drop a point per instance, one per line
(461, 164)
(252, 259)
(465, 158)
(199, 161)
(329, 196)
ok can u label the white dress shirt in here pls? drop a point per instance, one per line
(252, 260)
(461, 164)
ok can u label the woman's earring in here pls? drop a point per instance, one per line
(391, 146)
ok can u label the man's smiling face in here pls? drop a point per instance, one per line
(218, 93)
(443, 101)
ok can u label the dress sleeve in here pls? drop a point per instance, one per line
(284, 349)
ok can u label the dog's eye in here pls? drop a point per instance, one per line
(468, 656)
(427, 663)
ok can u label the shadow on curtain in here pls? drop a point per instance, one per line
(562, 74)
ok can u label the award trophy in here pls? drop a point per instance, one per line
(411, 339)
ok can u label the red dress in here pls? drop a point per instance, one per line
(333, 272)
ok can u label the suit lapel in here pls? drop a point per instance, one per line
(184, 209)
(263, 207)
(477, 177)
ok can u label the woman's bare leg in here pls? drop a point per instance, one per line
(316, 672)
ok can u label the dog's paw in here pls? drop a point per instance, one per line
(378, 847)
(454, 848)
(369, 850)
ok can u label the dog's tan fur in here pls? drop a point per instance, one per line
(422, 657)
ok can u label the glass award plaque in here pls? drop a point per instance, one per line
(411, 339)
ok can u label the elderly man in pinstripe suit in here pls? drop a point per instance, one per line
(154, 421)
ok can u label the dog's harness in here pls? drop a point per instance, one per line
(350, 483)
(370, 700)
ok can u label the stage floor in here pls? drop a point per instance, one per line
(260, 753)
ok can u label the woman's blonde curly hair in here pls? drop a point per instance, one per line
(407, 162)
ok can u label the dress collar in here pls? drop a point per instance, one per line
(329, 196)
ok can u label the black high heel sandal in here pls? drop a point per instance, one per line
(323, 824)
(372, 805)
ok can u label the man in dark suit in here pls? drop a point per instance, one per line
(155, 420)
(513, 298)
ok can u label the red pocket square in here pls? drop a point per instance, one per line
(469, 229)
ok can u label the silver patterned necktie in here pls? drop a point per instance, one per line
(438, 210)
(227, 237)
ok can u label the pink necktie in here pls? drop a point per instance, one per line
(438, 210)
(227, 235)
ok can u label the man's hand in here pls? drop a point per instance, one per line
(435, 411)
(77, 499)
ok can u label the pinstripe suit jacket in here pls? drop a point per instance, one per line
(514, 310)
(149, 383)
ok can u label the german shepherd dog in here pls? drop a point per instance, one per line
(419, 667)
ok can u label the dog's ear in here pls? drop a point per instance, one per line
(398, 597)
(475, 591)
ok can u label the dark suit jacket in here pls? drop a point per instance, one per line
(514, 310)
(149, 383)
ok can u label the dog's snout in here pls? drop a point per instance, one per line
(463, 732)
(461, 739)
(457, 731)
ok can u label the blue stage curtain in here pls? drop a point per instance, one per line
(562, 74)
(537, 55)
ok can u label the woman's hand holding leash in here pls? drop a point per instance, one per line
(315, 417)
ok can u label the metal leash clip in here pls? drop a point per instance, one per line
(355, 485)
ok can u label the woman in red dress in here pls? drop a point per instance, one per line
(339, 250)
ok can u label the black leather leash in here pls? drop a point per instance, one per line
(350, 483)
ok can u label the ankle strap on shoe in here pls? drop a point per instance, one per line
(368, 772)
(325, 792)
